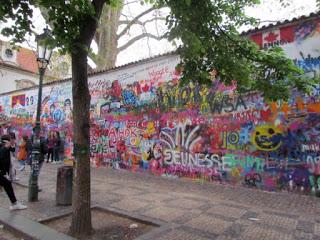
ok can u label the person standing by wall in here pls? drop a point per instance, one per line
(29, 148)
(57, 147)
(5, 129)
(1, 130)
(5, 179)
(22, 153)
(51, 141)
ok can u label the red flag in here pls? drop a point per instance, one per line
(257, 38)
(278, 37)
(287, 34)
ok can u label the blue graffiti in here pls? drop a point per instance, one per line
(128, 97)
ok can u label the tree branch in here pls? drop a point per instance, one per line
(88, 30)
(123, 32)
(122, 22)
(133, 40)
(127, 3)
(154, 19)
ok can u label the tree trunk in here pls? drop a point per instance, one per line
(81, 200)
(81, 218)
(106, 38)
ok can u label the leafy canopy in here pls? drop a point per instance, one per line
(207, 29)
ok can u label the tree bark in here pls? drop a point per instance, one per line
(81, 218)
(81, 200)
(106, 38)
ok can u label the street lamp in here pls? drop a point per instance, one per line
(43, 57)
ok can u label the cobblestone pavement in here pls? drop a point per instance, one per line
(194, 210)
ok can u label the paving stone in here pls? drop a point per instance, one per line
(130, 205)
(317, 229)
(157, 197)
(235, 205)
(164, 213)
(224, 237)
(186, 203)
(278, 221)
(227, 211)
(209, 224)
(102, 197)
(300, 235)
(235, 230)
(256, 232)
(281, 214)
(309, 218)
(188, 216)
(304, 226)
(250, 214)
(181, 235)
(126, 191)
(246, 222)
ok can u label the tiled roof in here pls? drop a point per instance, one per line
(281, 23)
(133, 63)
(27, 60)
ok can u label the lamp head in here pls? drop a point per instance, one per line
(44, 51)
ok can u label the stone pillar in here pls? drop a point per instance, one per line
(64, 185)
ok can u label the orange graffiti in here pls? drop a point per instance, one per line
(285, 109)
(313, 107)
(274, 111)
(300, 103)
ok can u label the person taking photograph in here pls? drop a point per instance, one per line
(5, 172)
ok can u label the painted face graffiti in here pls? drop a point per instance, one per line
(267, 138)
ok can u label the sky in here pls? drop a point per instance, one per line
(268, 10)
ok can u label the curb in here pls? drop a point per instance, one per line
(30, 230)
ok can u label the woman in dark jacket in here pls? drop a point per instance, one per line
(56, 150)
(5, 165)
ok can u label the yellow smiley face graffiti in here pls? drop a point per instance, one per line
(267, 138)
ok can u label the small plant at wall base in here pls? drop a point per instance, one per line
(208, 31)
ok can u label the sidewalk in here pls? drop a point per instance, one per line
(193, 210)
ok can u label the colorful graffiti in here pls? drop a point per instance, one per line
(142, 120)
(299, 41)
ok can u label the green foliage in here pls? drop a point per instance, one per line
(66, 17)
(18, 11)
(208, 30)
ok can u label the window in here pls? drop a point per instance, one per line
(8, 52)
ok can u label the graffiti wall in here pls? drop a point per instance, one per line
(141, 120)
(300, 41)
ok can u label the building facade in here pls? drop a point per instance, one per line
(18, 68)
(141, 120)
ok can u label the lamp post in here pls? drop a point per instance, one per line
(43, 57)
